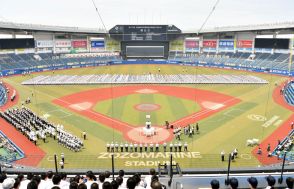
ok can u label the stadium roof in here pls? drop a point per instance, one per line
(48, 28)
(66, 29)
(259, 27)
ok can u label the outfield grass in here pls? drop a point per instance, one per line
(225, 130)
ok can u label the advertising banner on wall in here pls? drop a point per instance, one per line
(209, 44)
(79, 44)
(44, 43)
(98, 44)
(191, 45)
(244, 45)
(226, 45)
(63, 43)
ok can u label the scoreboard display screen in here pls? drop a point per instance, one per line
(145, 33)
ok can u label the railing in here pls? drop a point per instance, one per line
(141, 162)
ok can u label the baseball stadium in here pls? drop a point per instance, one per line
(193, 105)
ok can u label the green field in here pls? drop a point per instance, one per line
(171, 108)
(225, 130)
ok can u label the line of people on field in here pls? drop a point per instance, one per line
(130, 147)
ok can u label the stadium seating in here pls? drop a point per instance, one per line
(14, 61)
(239, 60)
(289, 93)
(3, 95)
(261, 61)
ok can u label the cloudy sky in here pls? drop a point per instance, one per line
(186, 14)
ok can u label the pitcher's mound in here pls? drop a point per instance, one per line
(147, 107)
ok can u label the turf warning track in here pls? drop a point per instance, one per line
(33, 154)
(95, 95)
(279, 134)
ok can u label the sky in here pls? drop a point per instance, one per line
(185, 14)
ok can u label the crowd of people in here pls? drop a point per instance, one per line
(144, 78)
(253, 183)
(104, 180)
(146, 147)
(284, 146)
(35, 127)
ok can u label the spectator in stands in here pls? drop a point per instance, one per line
(234, 183)
(82, 186)
(42, 184)
(107, 176)
(89, 179)
(156, 185)
(119, 181)
(114, 184)
(147, 180)
(271, 181)
(63, 183)
(137, 178)
(37, 179)
(131, 183)
(73, 185)
(8, 183)
(56, 180)
(252, 182)
(32, 185)
(101, 180)
(289, 182)
(2, 178)
(121, 174)
(25, 182)
(106, 185)
(16, 184)
(214, 184)
(94, 185)
(78, 179)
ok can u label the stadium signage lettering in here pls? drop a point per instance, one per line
(79, 44)
(44, 43)
(147, 163)
(226, 44)
(244, 43)
(209, 43)
(150, 155)
(63, 43)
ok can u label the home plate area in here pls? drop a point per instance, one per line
(81, 106)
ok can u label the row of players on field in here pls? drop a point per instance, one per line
(34, 128)
(176, 147)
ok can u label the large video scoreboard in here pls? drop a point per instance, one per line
(144, 32)
(144, 41)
